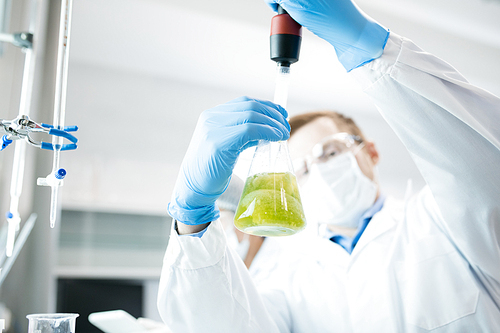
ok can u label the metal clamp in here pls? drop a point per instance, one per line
(22, 127)
(23, 40)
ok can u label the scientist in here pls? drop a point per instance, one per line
(431, 263)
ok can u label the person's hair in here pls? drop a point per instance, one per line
(342, 122)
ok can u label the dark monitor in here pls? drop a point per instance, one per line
(84, 296)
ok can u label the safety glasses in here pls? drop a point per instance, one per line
(327, 149)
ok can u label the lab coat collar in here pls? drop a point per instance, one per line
(385, 220)
(348, 243)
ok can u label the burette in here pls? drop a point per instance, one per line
(22, 128)
(55, 178)
(16, 184)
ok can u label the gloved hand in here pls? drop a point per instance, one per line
(357, 38)
(221, 134)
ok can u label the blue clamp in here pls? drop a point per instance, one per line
(66, 128)
(5, 142)
(50, 146)
(62, 133)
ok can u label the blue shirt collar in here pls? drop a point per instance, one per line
(377, 207)
(349, 243)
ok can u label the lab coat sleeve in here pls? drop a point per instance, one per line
(452, 131)
(205, 287)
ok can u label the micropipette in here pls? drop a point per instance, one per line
(285, 41)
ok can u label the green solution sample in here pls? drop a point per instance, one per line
(270, 205)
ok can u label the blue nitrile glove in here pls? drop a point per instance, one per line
(357, 38)
(221, 134)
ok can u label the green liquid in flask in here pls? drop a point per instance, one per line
(270, 205)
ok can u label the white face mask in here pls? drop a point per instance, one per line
(240, 247)
(337, 192)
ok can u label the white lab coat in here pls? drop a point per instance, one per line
(264, 265)
(430, 263)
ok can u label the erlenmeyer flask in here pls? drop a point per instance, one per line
(270, 204)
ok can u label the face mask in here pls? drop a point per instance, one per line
(337, 192)
(240, 247)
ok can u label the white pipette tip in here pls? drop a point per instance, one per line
(9, 250)
(53, 205)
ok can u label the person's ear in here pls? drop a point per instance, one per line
(372, 151)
